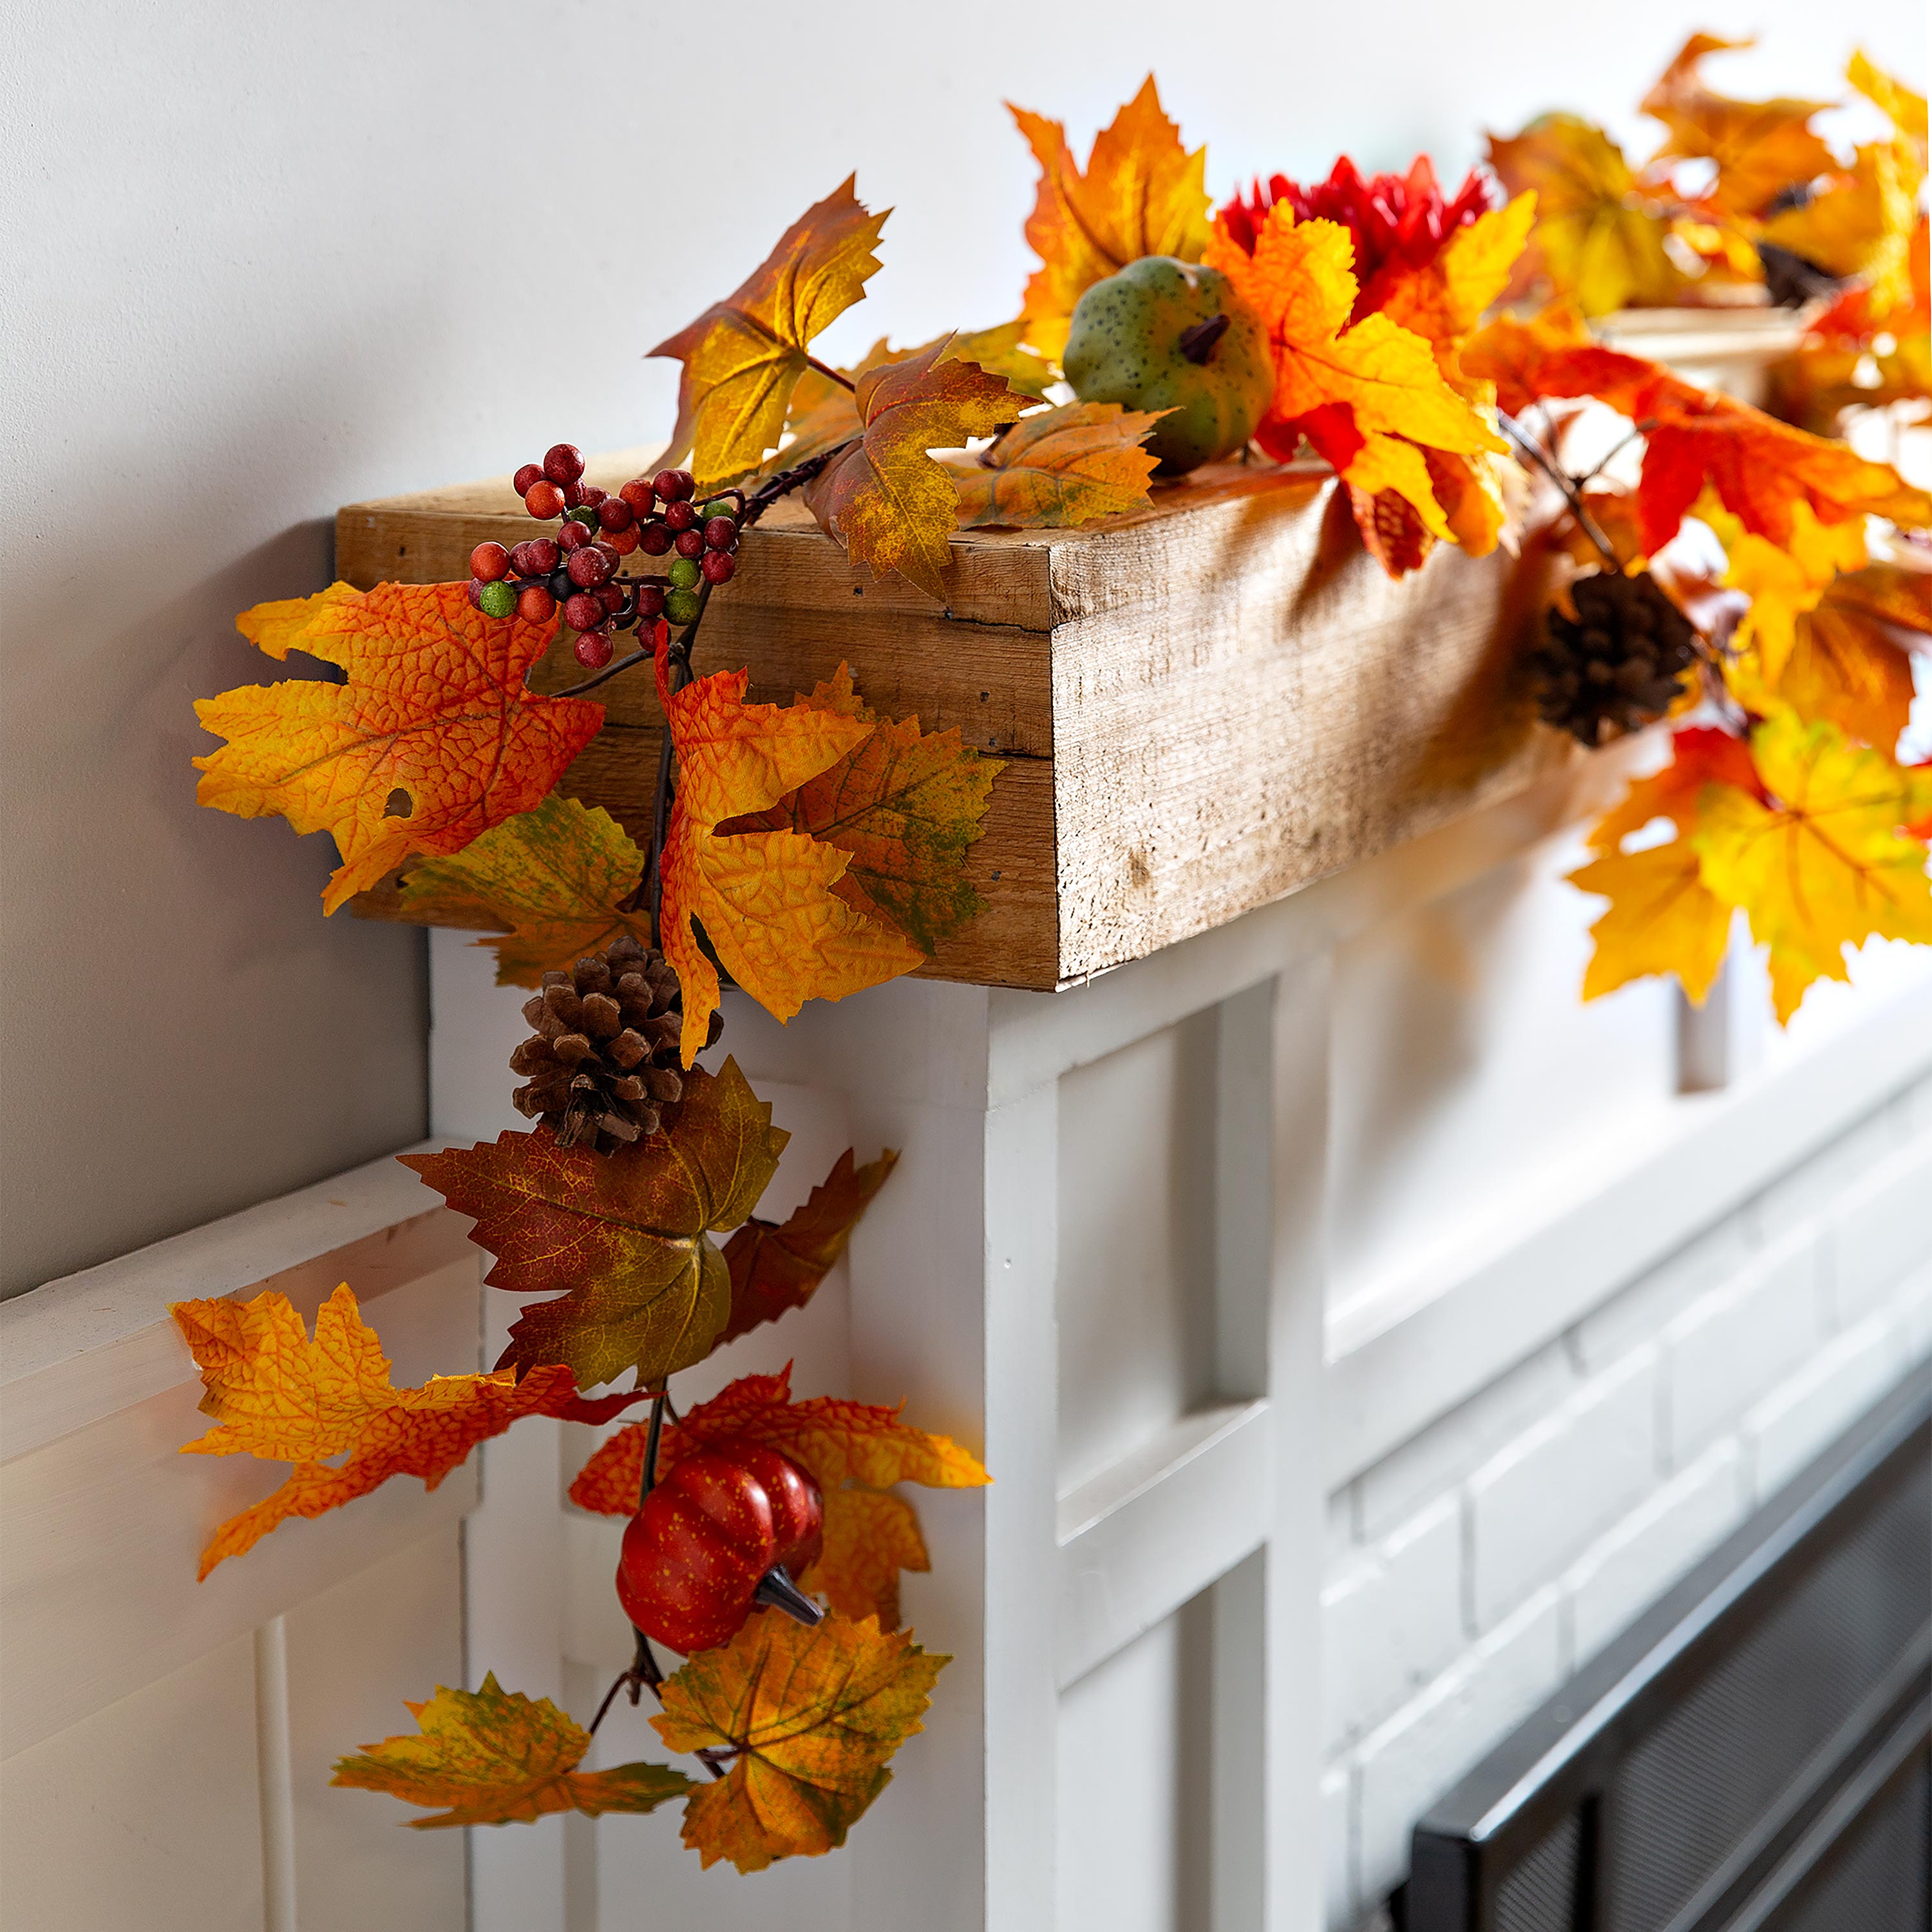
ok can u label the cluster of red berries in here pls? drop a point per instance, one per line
(578, 568)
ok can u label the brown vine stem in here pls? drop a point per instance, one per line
(1530, 448)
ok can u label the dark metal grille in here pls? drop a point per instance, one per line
(1540, 1894)
(1882, 1865)
(1693, 1785)
(1749, 1756)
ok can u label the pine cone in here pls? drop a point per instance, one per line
(604, 1063)
(1618, 664)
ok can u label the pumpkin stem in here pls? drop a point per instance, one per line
(1197, 343)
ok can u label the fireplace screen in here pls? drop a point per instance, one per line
(1755, 1752)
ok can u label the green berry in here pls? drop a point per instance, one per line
(681, 606)
(584, 514)
(497, 600)
(685, 574)
(718, 506)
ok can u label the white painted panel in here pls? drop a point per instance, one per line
(1134, 1795)
(1466, 1065)
(392, 1632)
(1135, 1287)
(142, 1817)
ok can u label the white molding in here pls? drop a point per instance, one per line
(1414, 1350)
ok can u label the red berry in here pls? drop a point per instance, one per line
(593, 496)
(475, 590)
(613, 594)
(623, 542)
(680, 516)
(544, 500)
(588, 567)
(563, 463)
(718, 566)
(691, 543)
(535, 556)
(672, 486)
(614, 514)
(489, 562)
(639, 494)
(583, 611)
(650, 600)
(594, 650)
(573, 496)
(720, 532)
(531, 472)
(654, 538)
(536, 605)
(572, 537)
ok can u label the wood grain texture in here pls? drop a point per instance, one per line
(1204, 705)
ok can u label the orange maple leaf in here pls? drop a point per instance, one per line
(765, 899)
(1059, 466)
(906, 805)
(276, 1394)
(809, 1718)
(1370, 398)
(776, 1267)
(743, 356)
(1848, 663)
(434, 708)
(870, 1537)
(883, 497)
(627, 1234)
(1141, 194)
(499, 1758)
(1760, 468)
(1760, 147)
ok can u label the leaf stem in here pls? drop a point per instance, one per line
(832, 375)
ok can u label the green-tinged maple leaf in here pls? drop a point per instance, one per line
(905, 804)
(553, 880)
(1060, 466)
(495, 1757)
(626, 1235)
(743, 355)
(883, 497)
(276, 1394)
(811, 1718)
(776, 1267)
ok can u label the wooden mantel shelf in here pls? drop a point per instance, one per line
(1203, 706)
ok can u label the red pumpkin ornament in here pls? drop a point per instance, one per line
(717, 1533)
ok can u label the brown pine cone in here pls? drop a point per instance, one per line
(1618, 664)
(604, 1063)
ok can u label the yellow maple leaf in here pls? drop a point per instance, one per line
(499, 1758)
(1141, 194)
(553, 880)
(1058, 467)
(765, 899)
(1783, 581)
(1662, 917)
(743, 355)
(1598, 239)
(810, 1719)
(1447, 297)
(1904, 107)
(1848, 663)
(1760, 147)
(1824, 864)
(433, 707)
(278, 1395)
(1860, 221)
(883, 497)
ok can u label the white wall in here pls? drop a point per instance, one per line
(263, 261)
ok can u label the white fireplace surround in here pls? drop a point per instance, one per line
(1358, 1330)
